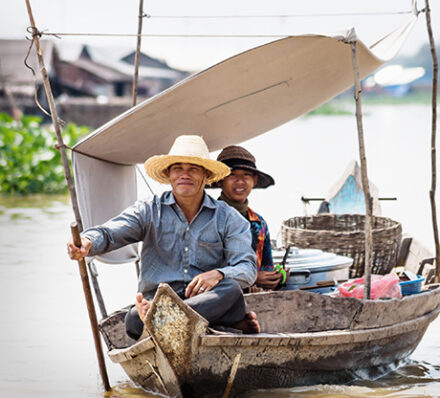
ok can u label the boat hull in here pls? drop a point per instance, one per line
(181, 356)
(302, 359)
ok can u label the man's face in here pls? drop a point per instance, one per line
(187, 179)
(238, 185)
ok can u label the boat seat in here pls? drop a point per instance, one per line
(112, 330)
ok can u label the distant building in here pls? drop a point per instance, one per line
(91, 88)
(17, 82)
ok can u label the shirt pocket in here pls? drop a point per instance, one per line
(209, 255)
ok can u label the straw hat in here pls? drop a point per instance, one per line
(236, 157)
(186, 149)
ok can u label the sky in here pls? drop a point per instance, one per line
(121, 16)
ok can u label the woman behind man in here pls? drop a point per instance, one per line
(236, 188)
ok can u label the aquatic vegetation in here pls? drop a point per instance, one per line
(29, 162)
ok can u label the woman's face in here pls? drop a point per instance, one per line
(238, 185)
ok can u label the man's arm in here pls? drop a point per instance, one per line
(240, 257)
(126, 228)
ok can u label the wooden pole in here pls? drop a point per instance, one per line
(15, 110)
(232, 374)
(138, 53)
(433, 141)
(54, 115)
(91, 308)
(68, 175)
(365, 185)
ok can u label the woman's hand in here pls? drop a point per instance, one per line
(268, 279)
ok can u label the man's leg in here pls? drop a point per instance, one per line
(223, 305)
(133, 324)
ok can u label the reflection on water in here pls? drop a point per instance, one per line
(46, 346)
(411, 379)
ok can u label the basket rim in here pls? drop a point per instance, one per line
(395, 224)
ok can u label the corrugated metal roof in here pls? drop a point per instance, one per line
(104, 56)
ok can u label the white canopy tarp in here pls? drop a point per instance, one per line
(233, 101)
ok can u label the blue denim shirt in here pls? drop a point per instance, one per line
(175, 251)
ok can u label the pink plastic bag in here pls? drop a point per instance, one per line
(382, 286)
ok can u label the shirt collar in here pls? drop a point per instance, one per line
(253, 216)
(208, 201)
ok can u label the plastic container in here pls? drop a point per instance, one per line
(412, 287)
(307, 267)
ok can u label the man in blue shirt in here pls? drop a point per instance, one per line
(199, 246)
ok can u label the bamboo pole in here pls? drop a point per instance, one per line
(138, 53)
(90, 308)
(68, 175)
(365, 184)
(54, 115)
(433, 141)
(232, 374)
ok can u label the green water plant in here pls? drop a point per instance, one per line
(29, 162)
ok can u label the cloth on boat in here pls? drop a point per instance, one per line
(176, 251)
(94, 177)
(223, 305)
(231, 102)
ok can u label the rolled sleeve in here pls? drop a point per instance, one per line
(126, 228)
(241, 264)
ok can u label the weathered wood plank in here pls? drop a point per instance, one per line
(378, 313)
(325, 338)
(174, 327)
(112, 330)
(119, 355)
(299, 311)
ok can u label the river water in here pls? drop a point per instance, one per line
(46, 346)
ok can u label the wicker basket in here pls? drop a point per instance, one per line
(344, 234)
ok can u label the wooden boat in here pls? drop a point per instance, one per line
(306, 337)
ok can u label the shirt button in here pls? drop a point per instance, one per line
(186, 249)
(185, 271)
(187, 229)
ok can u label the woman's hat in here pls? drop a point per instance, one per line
(186, 149)
(236, 157)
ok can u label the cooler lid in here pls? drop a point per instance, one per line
(314, 260)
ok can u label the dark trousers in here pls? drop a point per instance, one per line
(223, 305)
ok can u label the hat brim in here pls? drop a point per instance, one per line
(264, 180)
(157, 166)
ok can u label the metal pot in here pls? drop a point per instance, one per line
(307, 267)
